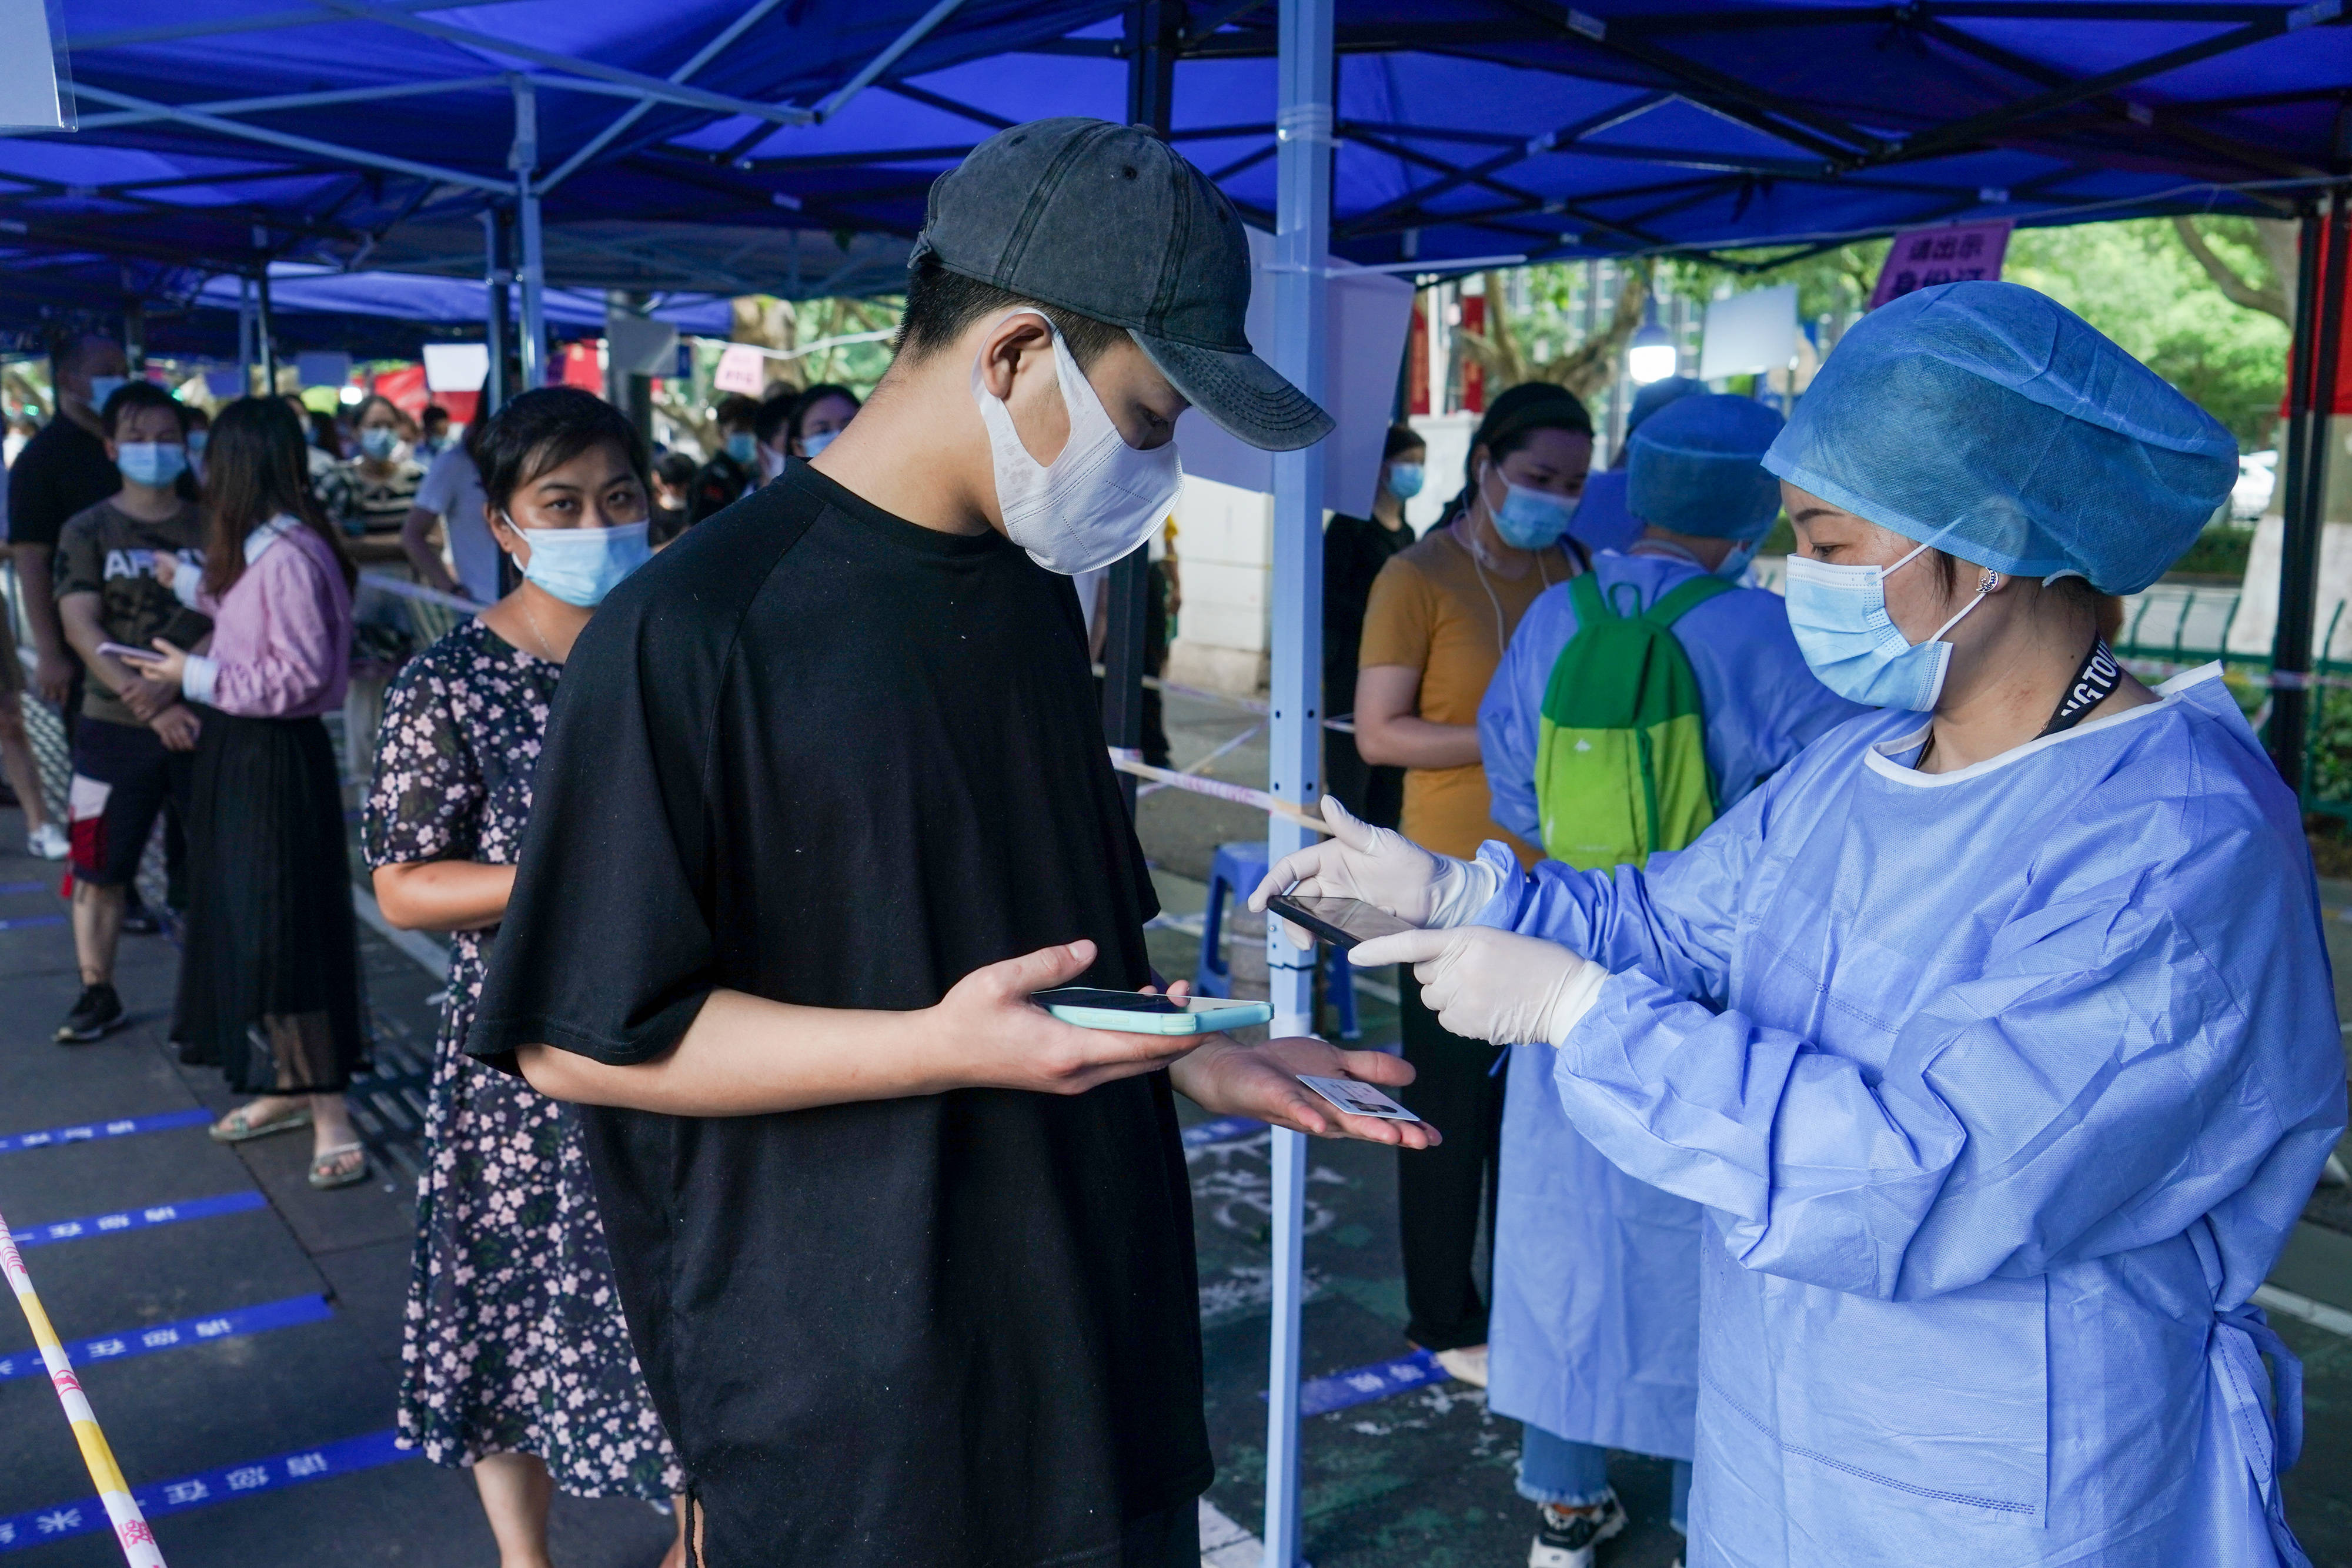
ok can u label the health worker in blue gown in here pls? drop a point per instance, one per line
(1995, 1032)
(1595, 1319)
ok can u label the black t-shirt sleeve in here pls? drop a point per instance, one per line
(606, 945)
(33, 517)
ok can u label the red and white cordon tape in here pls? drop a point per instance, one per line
(130, 1525)
(1128, 761)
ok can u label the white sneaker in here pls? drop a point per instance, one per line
(1567, 1537)
(46, 842)
(1468, 1363)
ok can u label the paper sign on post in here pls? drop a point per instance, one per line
(741, 369)
(31, 68)
(1749, 333)
(324, 366)
(1955, 253)
(456, 367)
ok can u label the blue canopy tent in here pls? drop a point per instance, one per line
(1424, 135)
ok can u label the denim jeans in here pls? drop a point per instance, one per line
(1576, 1475)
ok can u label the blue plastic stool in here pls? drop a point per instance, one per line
(1235, 873)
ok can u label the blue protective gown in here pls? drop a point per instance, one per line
(2002, 1088)
(1595, 1325)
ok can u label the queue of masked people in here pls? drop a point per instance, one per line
(1845, 1006)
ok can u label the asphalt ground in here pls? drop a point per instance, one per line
(1421, 1477)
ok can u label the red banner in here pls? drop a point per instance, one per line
(1474, 374)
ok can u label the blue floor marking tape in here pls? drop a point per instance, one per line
(1362, 1384)
(237, 1320)
(37, 1526)
(23, 921)
(27, 887)
(140, 1219)
(1223, 1130)
(121, 1127)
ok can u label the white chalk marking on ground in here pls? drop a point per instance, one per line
(2319, 1314)
(415, 943)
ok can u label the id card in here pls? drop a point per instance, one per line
(1358, 1098)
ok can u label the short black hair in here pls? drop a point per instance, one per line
(941, 306)
(736, 409)
(1401, 438)
(134, 394)
(676, 468)
(775, 413)
(431, 411)
(813, 396)
(546, 428)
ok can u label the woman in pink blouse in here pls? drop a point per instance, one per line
(270, 978)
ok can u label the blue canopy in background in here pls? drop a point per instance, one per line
(727, 146)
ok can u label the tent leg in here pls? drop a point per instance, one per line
(265, 340)
(497, 328)
(2311, 402)
(524, 161)
(1306, 68)
(246, 356)
(1154, 31)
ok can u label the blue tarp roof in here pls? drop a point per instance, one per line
(1467, 128)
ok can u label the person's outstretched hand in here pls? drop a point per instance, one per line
(1262, 1081)
(1490, 985)
(986, 1032)
(1381, 867)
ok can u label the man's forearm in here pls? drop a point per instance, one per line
(39, 602)
(745, 1056)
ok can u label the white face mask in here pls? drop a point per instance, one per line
(1095, 501)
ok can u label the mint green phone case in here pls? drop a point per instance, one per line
(1209, 1019)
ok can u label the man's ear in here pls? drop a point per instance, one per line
(1008, 347)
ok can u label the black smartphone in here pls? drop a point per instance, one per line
(1343, 922)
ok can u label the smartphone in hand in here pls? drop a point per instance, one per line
(1132, 1012)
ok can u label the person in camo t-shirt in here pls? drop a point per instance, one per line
(134, 749)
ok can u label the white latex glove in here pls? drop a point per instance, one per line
(1492, 985)
(1384, 869)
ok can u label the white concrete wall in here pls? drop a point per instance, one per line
(1225, 551)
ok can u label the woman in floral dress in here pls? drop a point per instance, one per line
(516, 1359)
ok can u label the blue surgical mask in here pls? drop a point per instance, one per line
(744, 447)
(155, 462)
(198, 441)
(580, 566)
(1839, 616)
(379, 441)
(104, 387)
(1734, 566)
(812, 445)
(1405, 480)
(1531, 519)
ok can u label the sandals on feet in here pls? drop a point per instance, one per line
(323, 1175)
(238, 1126)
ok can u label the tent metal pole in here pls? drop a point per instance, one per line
(2311, 394)
(1154, 33)
(702, 56)
(1306, 69)
(497, 328)
(246, 355)
(265, 337)
(239, 131)
(532, 274)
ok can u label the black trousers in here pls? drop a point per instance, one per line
(1439, 1190)
(1372, 794)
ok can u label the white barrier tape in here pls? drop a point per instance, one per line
(138, 1541)
(401, 588)
(1197, 768)
(1239, 794)
(1251, 705)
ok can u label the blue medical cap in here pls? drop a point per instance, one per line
(1992, 421)
(1696, 467)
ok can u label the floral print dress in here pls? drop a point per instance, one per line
(514, 1341)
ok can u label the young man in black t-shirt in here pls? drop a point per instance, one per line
(825, 799)
(135, 747)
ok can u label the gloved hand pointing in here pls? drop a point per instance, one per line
(1493, 985)
(1384, 869)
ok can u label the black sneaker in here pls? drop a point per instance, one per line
(1569, 1534)
(96, 1016)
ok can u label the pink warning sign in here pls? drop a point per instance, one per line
(1955, 253)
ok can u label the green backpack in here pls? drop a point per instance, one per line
(1620, 763)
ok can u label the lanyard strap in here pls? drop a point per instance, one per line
(2098, 676)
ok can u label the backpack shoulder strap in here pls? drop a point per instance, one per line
(1592, 605)
(1683, 597)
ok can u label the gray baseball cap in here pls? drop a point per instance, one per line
(1112, 223)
